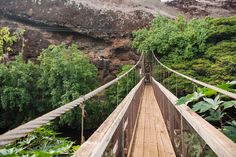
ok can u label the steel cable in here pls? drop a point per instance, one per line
(222, 91)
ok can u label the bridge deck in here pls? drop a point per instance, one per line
(151, 138)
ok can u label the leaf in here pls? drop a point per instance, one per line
(209, 100)
(75, 148)
(189, 98)
(229, 104)
(230, 131)
(42, 154)
(210, 93)
(197, 96)
(10, 151)
(232, 82)
(201, 106)
(4, 152)
(214, 103)
(214, 115)
(184, 100)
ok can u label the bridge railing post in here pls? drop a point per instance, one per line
(82, 107)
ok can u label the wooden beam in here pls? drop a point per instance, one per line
(95, 146)
(217, 141)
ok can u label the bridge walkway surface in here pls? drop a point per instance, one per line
(151, 137)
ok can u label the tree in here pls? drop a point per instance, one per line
(18, 92)
(65, 74)
(200, 48)
(7, 39)
(28, 90)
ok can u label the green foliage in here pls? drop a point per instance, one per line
(43, 142)
(18, 92)
(66, 74)
(230, 130)
(168, 37)
(196, 147)
(201, 107)
(62, 75)
(215, 108)
(29, 90)
(201, 48)
(189, 98)
(116, 93)
(7, 39)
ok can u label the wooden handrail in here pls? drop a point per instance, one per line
(216, 140)
(95, 146)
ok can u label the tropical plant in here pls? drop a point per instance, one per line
(215, 108)
(65, 74)
(18, 92)
(43, 142)
(204, 49)
(29, 90)
(7, 39)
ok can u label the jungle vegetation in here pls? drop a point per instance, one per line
(201, 48)
(61, 74)
(204, 49)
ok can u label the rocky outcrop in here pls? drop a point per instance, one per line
(101, 28)
(108, 56)
(80, 16)
(213, 8)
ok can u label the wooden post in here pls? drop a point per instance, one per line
(82, 123)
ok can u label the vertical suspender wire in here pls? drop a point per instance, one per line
(142, 68)
(152, 68)
(127, 84)
(167, 79)
(163, 78)
(159, 72)
(194, 87)
(117, 93)
(133, 78)
(176, 86)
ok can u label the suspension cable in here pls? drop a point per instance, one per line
(222, 91)
(30, 126)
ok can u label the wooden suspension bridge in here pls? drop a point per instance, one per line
(147, 123)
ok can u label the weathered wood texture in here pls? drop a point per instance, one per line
(112, 129)
(216, 140)
(151, 138)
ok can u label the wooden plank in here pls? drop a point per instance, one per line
(151, 130)
(153, 137)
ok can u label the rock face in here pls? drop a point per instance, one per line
(213, 8)
(79, 16)
(108, 56)
(108, 19)
(101, 28)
